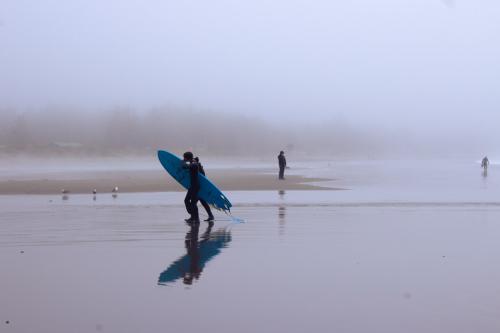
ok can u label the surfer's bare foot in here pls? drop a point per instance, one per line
(210, 219)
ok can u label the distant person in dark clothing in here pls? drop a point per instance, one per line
(203, 202)
(485, 163)
(191, 199)
(282, 164)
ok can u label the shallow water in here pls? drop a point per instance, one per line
(388, 255)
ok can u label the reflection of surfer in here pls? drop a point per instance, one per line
(193, 251)
(194, 187)
(199, 252)
(203, 202)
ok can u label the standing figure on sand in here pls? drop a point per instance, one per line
(191, 199)
(282, 165)
(485, 163)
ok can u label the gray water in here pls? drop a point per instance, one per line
(407, 247)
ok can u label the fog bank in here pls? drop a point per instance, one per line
(63, 131)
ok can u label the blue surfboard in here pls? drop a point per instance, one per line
(208, 191)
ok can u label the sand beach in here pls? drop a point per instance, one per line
(403, 249)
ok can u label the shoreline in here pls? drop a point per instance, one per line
(138, 181)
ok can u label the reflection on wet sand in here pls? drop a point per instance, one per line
(199, 252)
(281, 217)
(281, 213)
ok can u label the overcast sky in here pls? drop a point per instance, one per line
(395, 62)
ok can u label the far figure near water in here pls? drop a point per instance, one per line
(203, 202)
(485, 163)
(282, 164)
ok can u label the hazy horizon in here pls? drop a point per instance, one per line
(407, 77)
(121, 131)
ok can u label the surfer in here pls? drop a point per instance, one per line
(485, 163)
(203, 202)
(191, 199)
(282, 164)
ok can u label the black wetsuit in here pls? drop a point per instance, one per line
(485, 163)
(282, 164)
(191, 199)
(203, 202)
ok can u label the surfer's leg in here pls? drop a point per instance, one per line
(194, 204)
(187, 202)
(194, 210)
(282, 173)
(207, 208)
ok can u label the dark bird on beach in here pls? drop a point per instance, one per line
(94, 191)
(64, 191)
(115, 190)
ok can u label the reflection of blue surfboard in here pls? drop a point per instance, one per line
(191, 265)
(208, 191)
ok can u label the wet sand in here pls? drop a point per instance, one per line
(406, 249)
(149, 181)
(130, 264)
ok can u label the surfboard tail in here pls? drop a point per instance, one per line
(227, 203)
(222, 203)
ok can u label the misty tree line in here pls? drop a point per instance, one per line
(124, 130)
